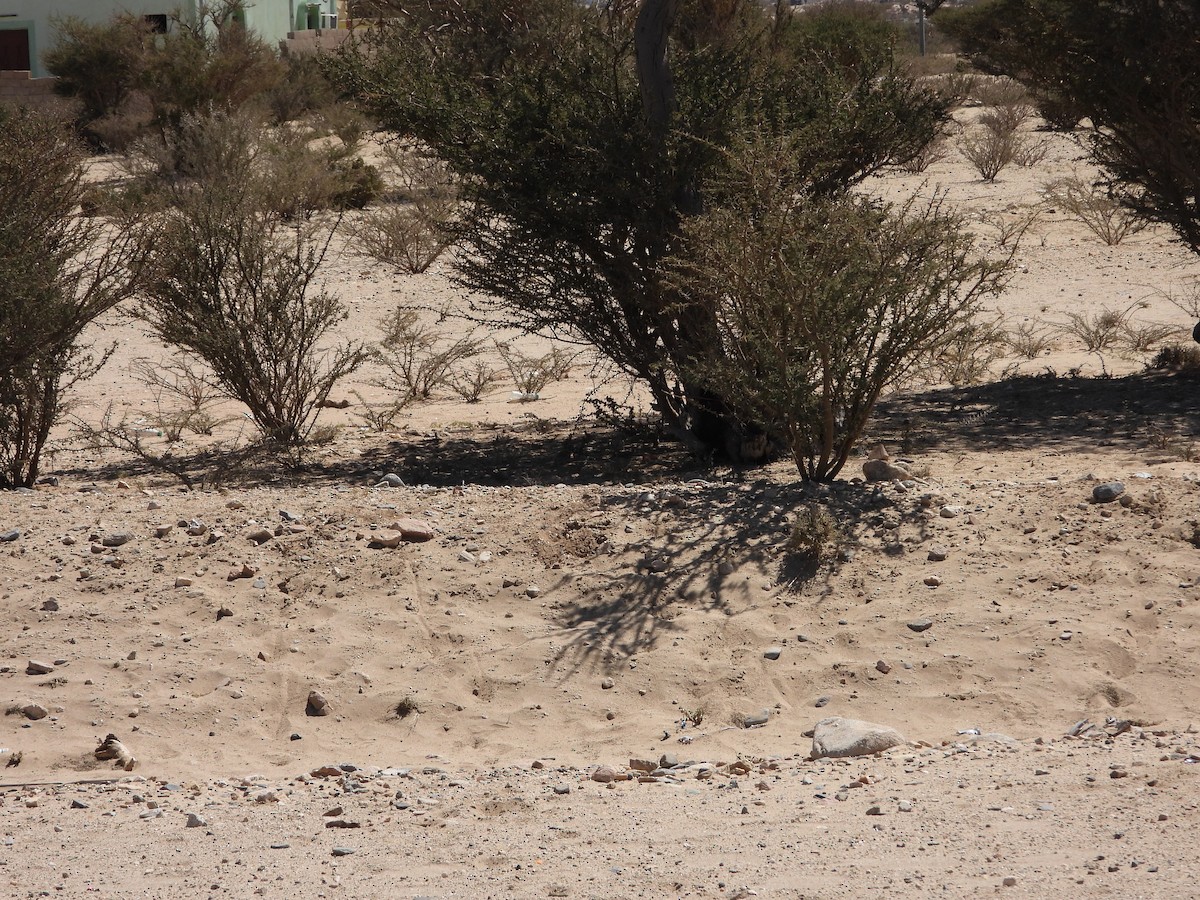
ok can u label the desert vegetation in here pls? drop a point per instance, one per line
(703, 220)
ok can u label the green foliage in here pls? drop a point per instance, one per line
(579, 158)
(207, 62)
(822, 303)
(98, 64)
(60, 271)
(1130, 67)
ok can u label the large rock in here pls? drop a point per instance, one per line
(414, 530)
(883, 470)
(837, 737)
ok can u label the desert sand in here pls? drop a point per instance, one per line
(591, 597)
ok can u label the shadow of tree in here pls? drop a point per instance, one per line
(1076, 415)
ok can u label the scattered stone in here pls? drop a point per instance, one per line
(195, 821)
(37, 667)
(919, 625)
(905, 806)
(50, 605)
(875, 811)
(33, 711)
(260, 536)
(116, 539)
(161, 531)
(1066, 636)
(938, 553)
(343, 851)
(78, 804)
(7, 537)
(933, 581)
(562, 789)
(533, 591)
(836, 737)
(755, 719)
(821, 701)
(246, 571)
(882, 470)
(607, 684)
(604, 775)
(341, 823)
(386, 540)
(882, 667)
(414, 531)
(1107, 492)
(772, 652)
(1009, 882)
(950, 512)
(223, 613)
(317, 706)
(391, 480)
(182, 581)
(642, 765)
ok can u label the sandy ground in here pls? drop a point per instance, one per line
(590, 596)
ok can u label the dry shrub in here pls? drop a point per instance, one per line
(989, 151)
(1102, 213)
(815, 534)
(472, 382)
(184, 396)
(953, 87)
(1030, 339)
(933, 152)
(1000, 91)
(1012, 223)
(1030, 153)
(413, 232)
(532, 374)
(60, 271)
(419, 356)
(823, 303)
(1144, 337)
(236, 286)
(1097, 331)
(1178, 359)
(967, 352)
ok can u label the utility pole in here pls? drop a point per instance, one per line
(925, 8)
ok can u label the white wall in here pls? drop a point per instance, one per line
(272, 19)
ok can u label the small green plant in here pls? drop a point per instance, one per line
(815, 534)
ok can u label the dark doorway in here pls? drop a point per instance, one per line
(14, 49)
(157, 22)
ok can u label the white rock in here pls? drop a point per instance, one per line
(837, 737)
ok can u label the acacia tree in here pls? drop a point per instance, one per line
(1132, 67)
(584, 136)
(822, 303)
